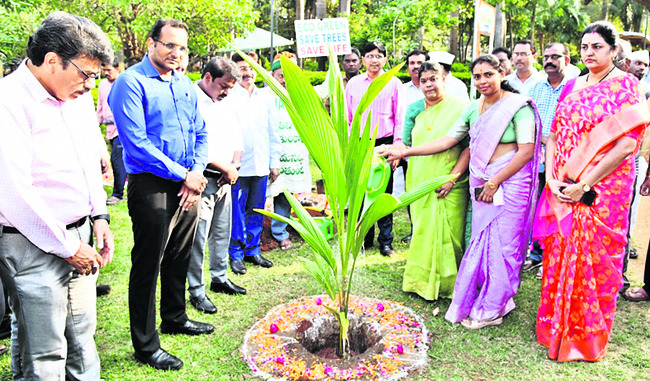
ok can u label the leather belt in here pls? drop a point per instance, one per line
(212, 173)
(74, 225)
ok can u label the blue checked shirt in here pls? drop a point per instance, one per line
(546, 99)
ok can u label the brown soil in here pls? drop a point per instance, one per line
(318, 341)
(269, 243)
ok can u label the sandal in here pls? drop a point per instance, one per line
(286, 244)
(475, 324)
(636, 294)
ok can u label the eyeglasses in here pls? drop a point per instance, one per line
(553, 57)
(86, 75)
(521, 54)
(371, 56)
(171, 46)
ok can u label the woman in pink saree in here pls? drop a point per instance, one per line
(599, 125)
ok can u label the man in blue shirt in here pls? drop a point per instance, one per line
(165, 153)
(546, 94)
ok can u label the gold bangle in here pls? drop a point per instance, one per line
(491, 185)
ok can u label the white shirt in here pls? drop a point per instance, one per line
(523, 87)
(224, 137)
(455, 86)
(571, 71)
(49, 162)
(261, 141)
(412, 93)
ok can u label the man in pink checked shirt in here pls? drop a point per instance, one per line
(388, 111)
(105, 116)
(53, 201)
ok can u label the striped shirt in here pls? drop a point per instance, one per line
(388, 108)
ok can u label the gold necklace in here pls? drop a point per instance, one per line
(483, 108)
(435, 117)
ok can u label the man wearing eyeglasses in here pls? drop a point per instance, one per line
(165, 154)
(546, 94)
(53, 201)
(525, 75)
(388, 114)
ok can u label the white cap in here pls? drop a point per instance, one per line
(442, 57)
(640, 55)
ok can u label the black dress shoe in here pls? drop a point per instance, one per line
(190, 327)
(386, 250)
(634, 254)
(160, 359)
(103, 289)
(227, 287)
(203, 305)
(407, 239)
(238, 267)
(5, 326)
(258, 260)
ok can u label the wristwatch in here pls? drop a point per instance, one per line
(585, 187)
(106, 217)
(491, 185)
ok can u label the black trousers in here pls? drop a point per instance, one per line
(163, 236)
(385, 223)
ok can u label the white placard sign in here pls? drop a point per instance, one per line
(313, 36)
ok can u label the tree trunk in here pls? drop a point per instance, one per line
(605, 11)
(421, 35)
(300, 15)
(532, 24)
(300, 9)
(499, 27)
(453, 34)
(321, 13)
(509, 26)
(637, 16)
(344, 7)
(131, 44)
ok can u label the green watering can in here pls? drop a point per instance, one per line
(377, 181)
(323, 219)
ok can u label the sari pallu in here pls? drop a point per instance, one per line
(584, 246)
(488, 277)
(438, 223)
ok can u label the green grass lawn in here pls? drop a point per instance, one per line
(505, 352)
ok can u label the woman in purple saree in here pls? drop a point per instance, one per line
(504, 149)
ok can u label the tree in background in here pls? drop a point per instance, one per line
(128, 22)
(19, 19)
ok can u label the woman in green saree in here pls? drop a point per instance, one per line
(438, 218)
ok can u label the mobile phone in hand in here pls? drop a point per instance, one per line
(477, 192)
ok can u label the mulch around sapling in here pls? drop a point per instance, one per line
(298, 341)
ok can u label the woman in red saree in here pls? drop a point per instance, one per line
(599, 124)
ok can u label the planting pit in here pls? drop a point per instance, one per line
(298, 341)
